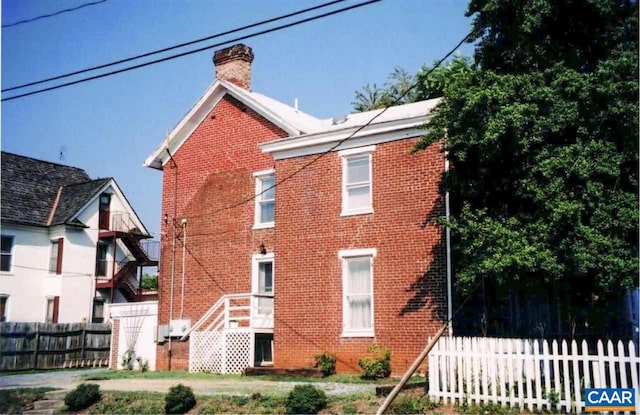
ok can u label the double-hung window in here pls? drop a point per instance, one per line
(356, 181)
(357, 292)
(265, 199)
(6, 252)
(55, 259)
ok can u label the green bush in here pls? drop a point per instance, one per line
(378, 366)
(179, 399)
(305, 399)
(326, 362)
(85, 395)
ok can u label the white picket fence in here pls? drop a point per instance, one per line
(529, 373)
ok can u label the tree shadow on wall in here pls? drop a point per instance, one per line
(430, 288)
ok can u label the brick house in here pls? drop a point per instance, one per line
(342, 254)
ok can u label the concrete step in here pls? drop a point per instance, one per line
(46, 404)
(40, 411)
(58, 394)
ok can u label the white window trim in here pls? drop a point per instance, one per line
(355, 253)
(256, 259)
(256, 220)
(345, 155)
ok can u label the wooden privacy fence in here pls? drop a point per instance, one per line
(527, 373)
(31, 346)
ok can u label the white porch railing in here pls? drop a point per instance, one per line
(223, 340)
(528, 373)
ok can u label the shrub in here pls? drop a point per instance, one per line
(378, 366)
(179, 400)
(85, 395)
(326, 363)
(305, 399)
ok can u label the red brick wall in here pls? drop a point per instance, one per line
(215, 169)
(115, 338)
(409, 268)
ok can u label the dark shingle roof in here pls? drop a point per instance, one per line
(30, 187)
(73, 197)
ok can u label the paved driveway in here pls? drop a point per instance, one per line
(69, 379)
(63, 379)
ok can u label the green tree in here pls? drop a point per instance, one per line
(398, 88)
(149, 282)
(542, 133)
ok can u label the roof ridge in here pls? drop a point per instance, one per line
(45, 161)
(88, 181)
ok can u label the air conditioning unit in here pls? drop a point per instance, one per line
(178, 328)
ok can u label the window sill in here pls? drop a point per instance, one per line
(356, 212)
(6, 273)
(364, 333)
(266, 225)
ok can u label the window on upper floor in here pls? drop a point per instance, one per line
(3, 307)
(265, 199)
(55, 259)
(356, 181)
(6, 253)
(357, 292)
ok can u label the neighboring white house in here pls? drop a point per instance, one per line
(70, 245)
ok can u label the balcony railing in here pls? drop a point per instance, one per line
(123, 222)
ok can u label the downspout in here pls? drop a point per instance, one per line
(184, 249)
(447, 213)
(173, 249)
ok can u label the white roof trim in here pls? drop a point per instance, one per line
(116, 189)
(212, 96)
(372, 134)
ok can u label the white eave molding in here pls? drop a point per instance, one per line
(372, 134)
(212, 96)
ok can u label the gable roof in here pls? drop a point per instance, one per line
(294, 122)
(75, 196)
(30, 187)
(283, 116)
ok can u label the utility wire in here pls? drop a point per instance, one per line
(339, 143)
(274, 29)
(180, 45)
(53, 14)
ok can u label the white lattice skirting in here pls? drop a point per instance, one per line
(220, 351)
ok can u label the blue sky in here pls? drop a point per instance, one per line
(109, 126)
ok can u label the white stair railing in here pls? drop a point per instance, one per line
(233, 311)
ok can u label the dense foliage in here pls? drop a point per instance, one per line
(305, 399)
(326, 362)
(85, 395)
(378, 365)
(542, 133)
(179, 400)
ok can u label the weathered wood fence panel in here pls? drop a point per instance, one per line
(32, 346)
(531, 374)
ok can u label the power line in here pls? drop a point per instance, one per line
(274, 29)
(53, 14)
(339, 143)
(180, 45)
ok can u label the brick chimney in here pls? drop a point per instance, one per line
(233, 64)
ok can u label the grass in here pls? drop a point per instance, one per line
(153, 403)
(179, 375)
(15, 401)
